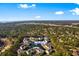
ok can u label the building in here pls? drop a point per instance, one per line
(40, 42)
(36, 45)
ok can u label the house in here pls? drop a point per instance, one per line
(38, 50)
(27, 52)
(35, 39)
(48, 48)
(45, 47)
(22, 47)
(75, 52)
(46, 38)
(47, 52)
(26, 41)
(19, 51)
(31, 51)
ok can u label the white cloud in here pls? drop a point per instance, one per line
(33, 5)
(77, 3)
(59, 12)
(24, 6)
(37, 17)
(75, 11)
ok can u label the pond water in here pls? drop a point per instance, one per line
(1, 43)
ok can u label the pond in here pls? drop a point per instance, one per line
(1, 43)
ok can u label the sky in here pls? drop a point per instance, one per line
(38, 11)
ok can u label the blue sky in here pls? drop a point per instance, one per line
(38, 11)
